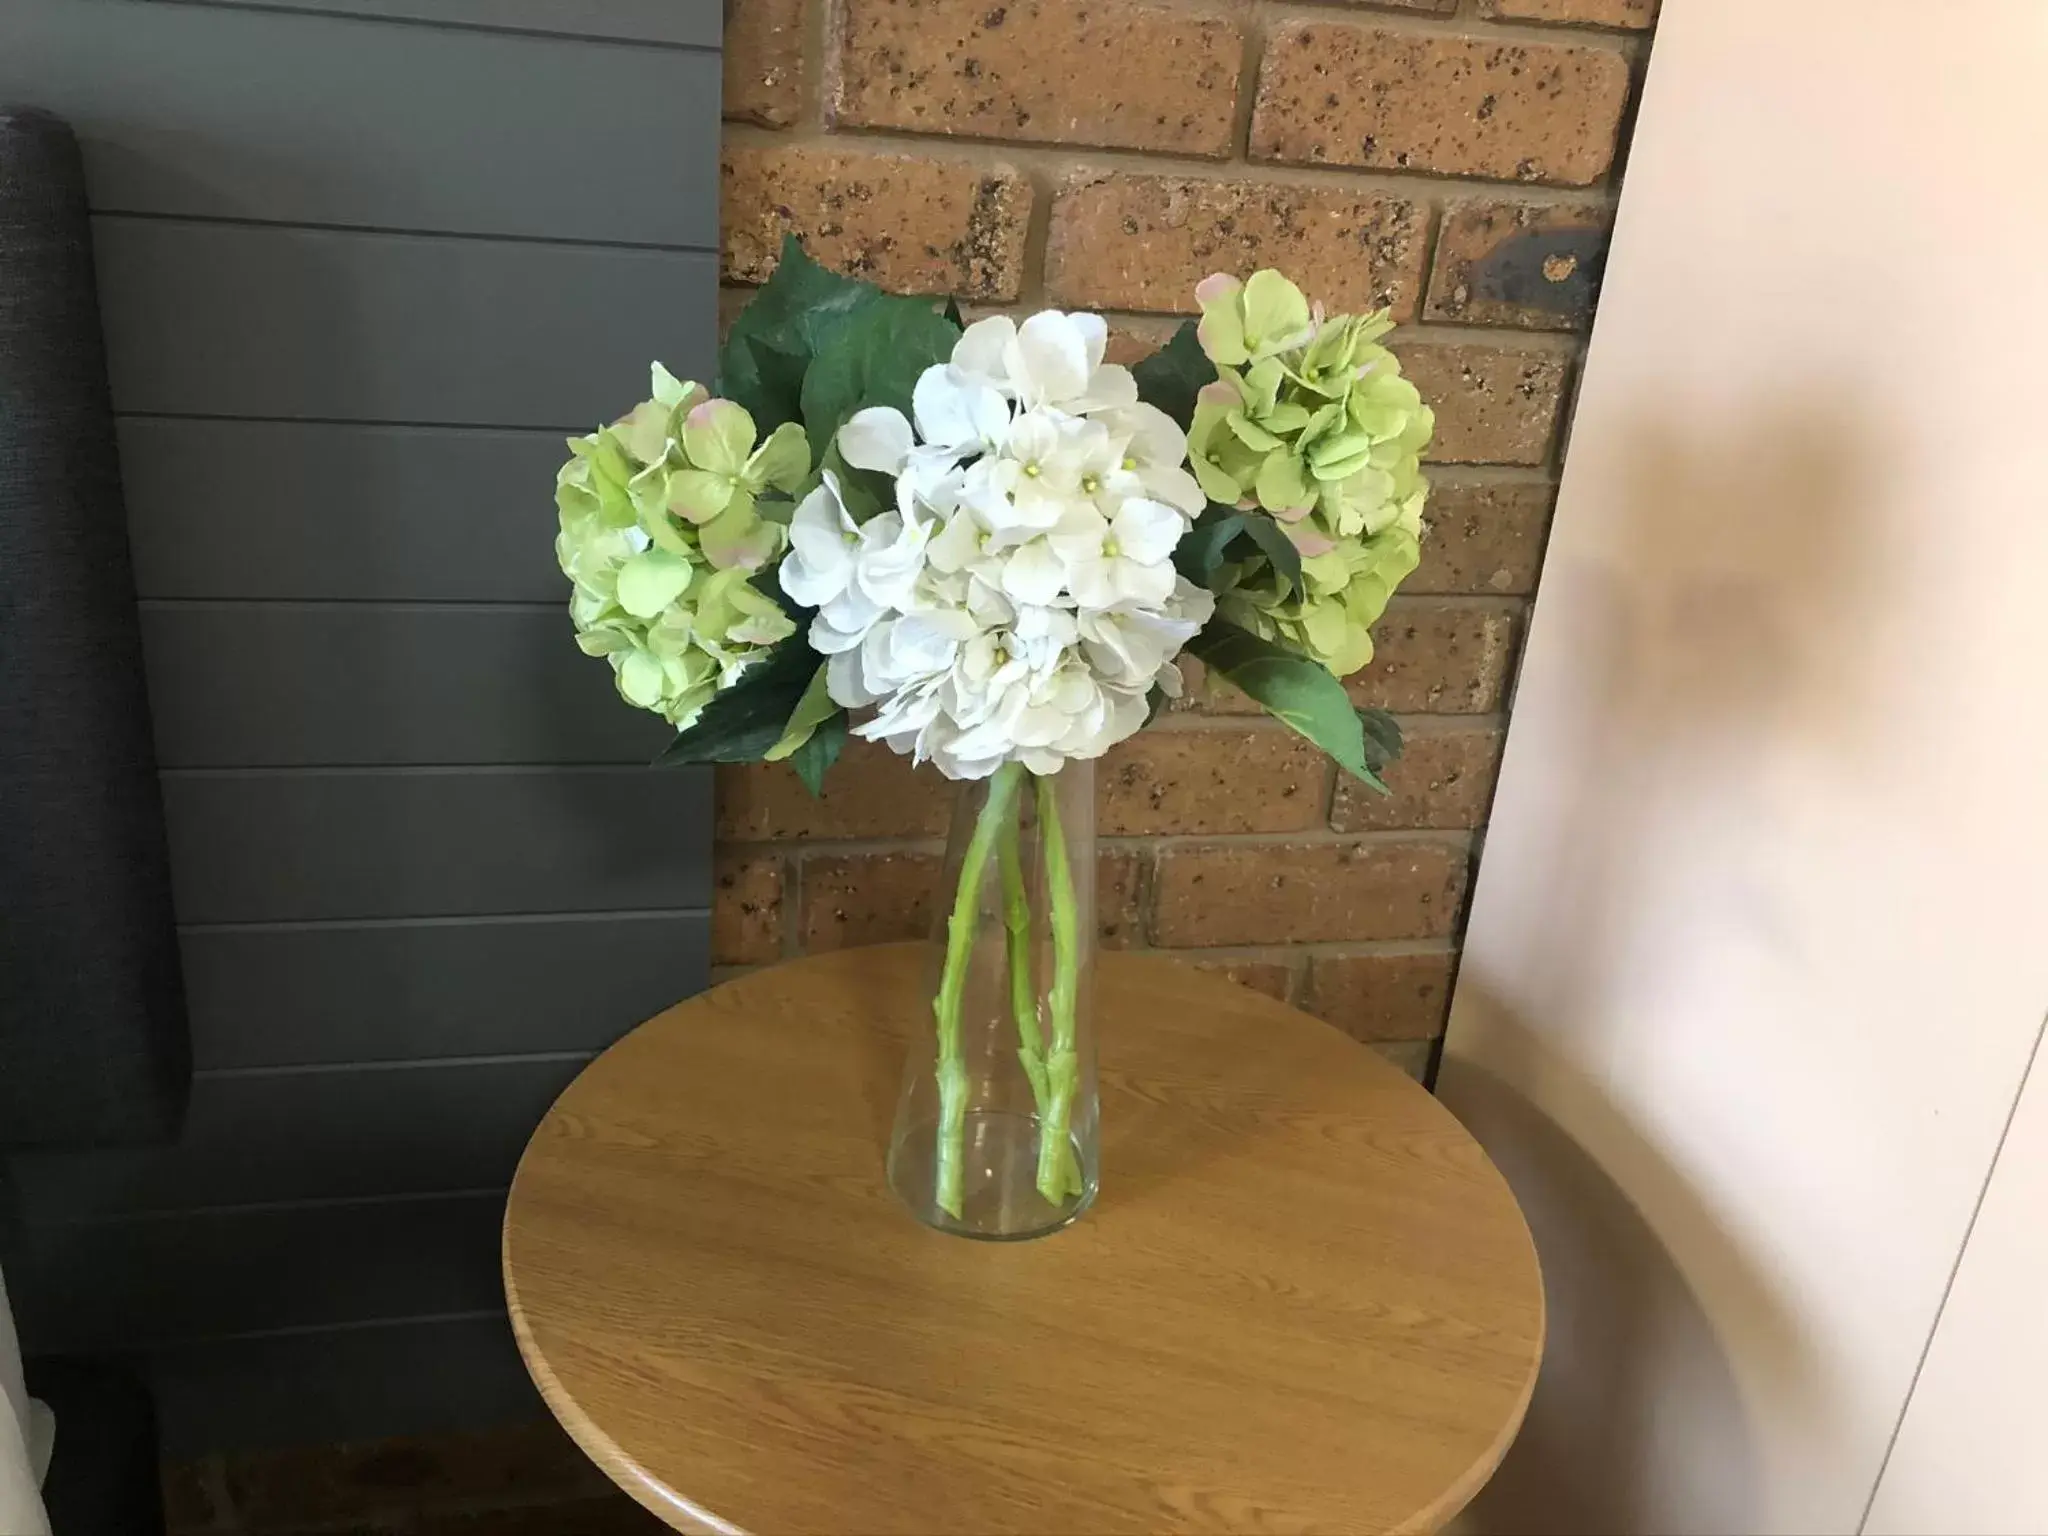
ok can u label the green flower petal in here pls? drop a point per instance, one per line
(718, 435)
(782, 462)
(651, 580)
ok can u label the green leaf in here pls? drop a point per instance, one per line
(1295, 691)
(771, 344)
(814, 759)
(1382, 738)
(743, 722)
(1278, 548)
(1201, 548)
(873, 359)
(810, 711)
(1171, 377)
(952, 312)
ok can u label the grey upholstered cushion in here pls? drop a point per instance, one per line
(93, 1045)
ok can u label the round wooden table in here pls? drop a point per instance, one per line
(1305, 1300)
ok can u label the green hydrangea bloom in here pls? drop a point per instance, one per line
(1310, 423)
(661, 533)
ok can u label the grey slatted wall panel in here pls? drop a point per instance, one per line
(339, 1134)
(342, 1384)
(116, 1284)
(424, 513)
(292, 994)
(678, 23)
(266, 846)
(241, 320)
(255, 115)
(381, 685)
(362, 264)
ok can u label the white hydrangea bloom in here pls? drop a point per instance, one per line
(1020, 602)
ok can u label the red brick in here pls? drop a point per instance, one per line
(1346, 93)
(1210, 780)
(1494, 405)
(1534, 265)
(1143, 242)
(870, 792)
(746, 911)
(1442, 781)
(1437, 657)
(1483, 537)
(1120, 896)
(868, 898)
(1381, 997)
(764, 60)
(1633, 14)
(1115, 75)
(912, 223)
(1275, 978)
(1274, 893)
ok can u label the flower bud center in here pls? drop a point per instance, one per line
(1130, 463)
(1090, 484)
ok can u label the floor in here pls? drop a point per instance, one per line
(526, 1481)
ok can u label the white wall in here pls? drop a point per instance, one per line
(1972, 1454)
(1760, 941)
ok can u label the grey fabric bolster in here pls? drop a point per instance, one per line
(93, 1043)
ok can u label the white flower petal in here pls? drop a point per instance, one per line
(1146, 531)
(1034, 574)
(1174, 486)
(1110, 387)
(979, 356)
(1048, 361)
(959, 412)
(876, 438)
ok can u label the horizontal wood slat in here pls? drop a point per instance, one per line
(331, 993)
(341, 1133)
(287, 846)
(345, 1384)
(256, 114)
(94, 1285)
(239, 320)
(345, 511)
(677, 23)
(234, 685)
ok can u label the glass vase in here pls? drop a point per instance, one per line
(997, 1132)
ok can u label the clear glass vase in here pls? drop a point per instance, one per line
(997, 1132)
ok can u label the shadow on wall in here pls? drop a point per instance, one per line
(1709, 605)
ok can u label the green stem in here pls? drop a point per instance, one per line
(960, 926)
(1056, 1169)
(1017, 919)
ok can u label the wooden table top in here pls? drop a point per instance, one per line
(1305, 1299)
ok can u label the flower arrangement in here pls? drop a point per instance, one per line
(987, 547)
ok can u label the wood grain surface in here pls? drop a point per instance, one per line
(1305, 1300)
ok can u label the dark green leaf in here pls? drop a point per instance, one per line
(1382, 737)
(772, 342)
(1171, 377)
(814, 759)
(873, 359)
(1296, 691)
(1201, 548)
(1278, 548)
(952, 313)
(747, 719)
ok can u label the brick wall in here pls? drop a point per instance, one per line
(1456, 159)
